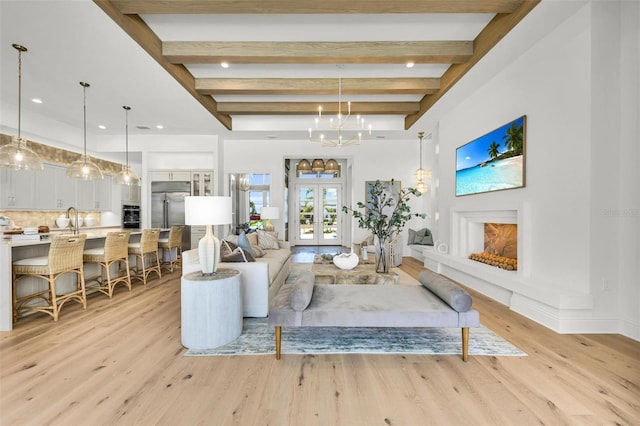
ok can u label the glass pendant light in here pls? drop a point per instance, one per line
(127, 176)
(421, 174)
(16, 155)
(84, 168)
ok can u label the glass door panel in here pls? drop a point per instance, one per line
(318, 208)
(330, 209)
(306, 209)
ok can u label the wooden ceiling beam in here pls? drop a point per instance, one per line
(272, 52)
(316, 86)
(314, 6)
(140, 32)
(311, 108)
(495, 30)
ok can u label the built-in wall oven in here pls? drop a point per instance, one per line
(130, 216)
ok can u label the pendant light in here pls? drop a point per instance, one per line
(127, 176)
(421, 174)
(16, 155)
(244, 182)
(84, 168)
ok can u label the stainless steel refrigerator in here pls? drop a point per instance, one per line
(167, 207)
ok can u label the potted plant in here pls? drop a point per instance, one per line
(385, 215)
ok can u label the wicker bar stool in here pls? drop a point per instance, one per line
(173, 242)
(115, 251)
(65, 255)
(146, 248)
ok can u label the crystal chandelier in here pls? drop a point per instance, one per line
(421, 174)
(341, 130)
(16, 155)
(127, 176)
(84, 168)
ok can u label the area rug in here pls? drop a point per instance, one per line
(258, 339)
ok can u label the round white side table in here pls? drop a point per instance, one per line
(211, 309)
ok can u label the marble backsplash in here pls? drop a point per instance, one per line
(29, 218)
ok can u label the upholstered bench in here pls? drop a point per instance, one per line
(438, 302)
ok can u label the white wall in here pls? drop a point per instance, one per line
(573, 88)
(371, 160)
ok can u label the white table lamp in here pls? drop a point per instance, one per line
(208, 211)
(269, 213)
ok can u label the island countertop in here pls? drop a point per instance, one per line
(92, 233)
(13, 250)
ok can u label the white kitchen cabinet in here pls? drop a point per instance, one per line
(102, 200)
(94, 194)
(177, 175)
(202, 182)
(17, 189)
(53, 189)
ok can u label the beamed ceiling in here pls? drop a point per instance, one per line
(281, 59)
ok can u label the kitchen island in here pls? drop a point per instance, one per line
(21, 249)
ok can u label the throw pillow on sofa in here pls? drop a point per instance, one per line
(267, 240)
(238, 255)
(244, 243)
(257, 251)
(226, 247)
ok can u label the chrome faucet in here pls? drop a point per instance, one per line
(73, 223)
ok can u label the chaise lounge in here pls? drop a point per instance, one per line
(438, 302)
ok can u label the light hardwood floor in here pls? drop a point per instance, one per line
(121, 362)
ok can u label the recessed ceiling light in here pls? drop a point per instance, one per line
(272, 137)
(143, 127)
(36, 101)
(159, 126)
(410, 64)
(224, 64)
(102, 127)
(381, 137)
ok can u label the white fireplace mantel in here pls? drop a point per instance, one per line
(543, 302)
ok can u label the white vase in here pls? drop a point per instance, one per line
(346, 260)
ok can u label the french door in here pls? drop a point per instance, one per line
(317, 210)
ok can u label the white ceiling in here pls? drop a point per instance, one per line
(73, 41)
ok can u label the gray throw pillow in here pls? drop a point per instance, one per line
(244, 243)
(302, 292)
(450, 293)
(427, 240)
(412, 236)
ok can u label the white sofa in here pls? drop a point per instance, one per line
(260, 280)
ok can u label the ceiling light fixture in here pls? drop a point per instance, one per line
(224, 64)
(126, 175)
(16, 155)
(244, 183)
(410, 64)
(303, 167)
(341, 124)
(317, 165)
(422, 174)
(332, 167)
(84, 168)
(36, 101)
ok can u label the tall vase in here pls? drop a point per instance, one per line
(382, 264)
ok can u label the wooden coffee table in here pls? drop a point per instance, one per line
(328, 273)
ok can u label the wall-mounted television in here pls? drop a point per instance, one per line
(493, 162)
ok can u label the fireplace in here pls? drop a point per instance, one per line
(489, 236)
(500, 246)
